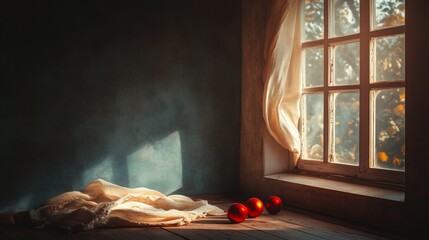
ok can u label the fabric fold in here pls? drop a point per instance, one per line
(282, 86)
(104, 204)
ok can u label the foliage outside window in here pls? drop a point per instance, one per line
(353, 100)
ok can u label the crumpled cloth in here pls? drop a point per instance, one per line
(104, 204)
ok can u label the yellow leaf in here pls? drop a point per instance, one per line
(402, 96)
(396, 161)
(383, 156)
(400, 109)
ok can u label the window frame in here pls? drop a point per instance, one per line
(365, 37)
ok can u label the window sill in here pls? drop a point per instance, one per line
(378, 208)
(339, 186)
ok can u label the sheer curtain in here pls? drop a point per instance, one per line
(282, 88)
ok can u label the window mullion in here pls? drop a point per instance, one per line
(391, 84)
(365, 60)
(327, 57)
(387, 31)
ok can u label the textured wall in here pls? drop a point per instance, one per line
(251, 156)
(140, 93)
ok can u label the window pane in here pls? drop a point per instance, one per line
(313, 20)
(346, 64)
(389, 58)
(313, 126)
(346, 17)
(389, 129)
(346, 128)
(313, 67)
(388, 13)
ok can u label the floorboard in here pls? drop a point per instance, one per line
(287, 224)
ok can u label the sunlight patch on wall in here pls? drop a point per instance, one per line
(276, 157)
(103, 170)
(157, 165)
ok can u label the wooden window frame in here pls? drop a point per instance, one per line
(365, 37)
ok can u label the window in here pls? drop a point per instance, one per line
(353, 92)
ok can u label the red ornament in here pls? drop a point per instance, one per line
(237, 213)
(273, 204)
(255, 207)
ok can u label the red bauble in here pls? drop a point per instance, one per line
(255, 207)
(237, 213)
(273, 204)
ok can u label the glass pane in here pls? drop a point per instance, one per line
(346, 128)
(389, 152)
(389, 58)
(346, 64)
(346, 17)
(313, 126)
(388, 13)
(313, 20)
(313, 67)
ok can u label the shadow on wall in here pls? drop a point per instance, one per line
(133, 92)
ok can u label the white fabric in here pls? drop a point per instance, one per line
(282, 76)
(104, 204)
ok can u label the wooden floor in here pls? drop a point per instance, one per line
(287, 224)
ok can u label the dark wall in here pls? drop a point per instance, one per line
(139, 93)
(417, 164)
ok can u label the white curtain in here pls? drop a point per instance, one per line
(282, 88)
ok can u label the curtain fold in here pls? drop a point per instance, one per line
(282, 87)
